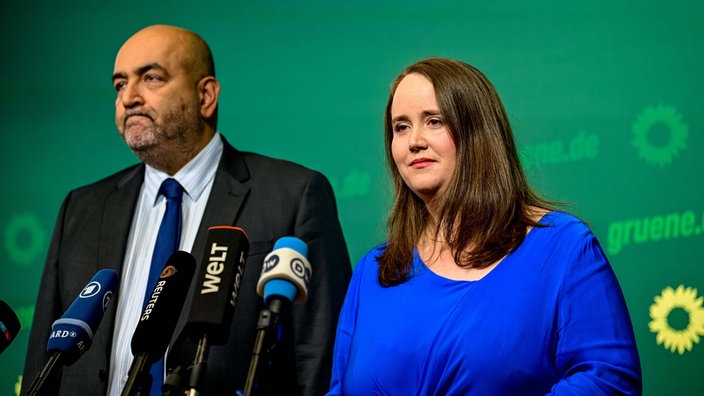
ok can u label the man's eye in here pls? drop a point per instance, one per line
(152, 77)
(119, 85)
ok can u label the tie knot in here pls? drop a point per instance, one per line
(171, 189)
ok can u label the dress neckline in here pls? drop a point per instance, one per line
(421, 268)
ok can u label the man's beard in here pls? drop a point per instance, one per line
(161, 144)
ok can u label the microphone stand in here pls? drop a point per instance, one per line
(49, 371)
(200, 365)
(172, 383)
(139, 379)
(264, 343)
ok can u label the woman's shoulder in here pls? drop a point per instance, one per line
(560, 219)
(562, 240)
(562, 225)
(370, 258)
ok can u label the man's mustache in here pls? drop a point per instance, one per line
(136, 112)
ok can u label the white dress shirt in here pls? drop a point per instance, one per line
(196, 178)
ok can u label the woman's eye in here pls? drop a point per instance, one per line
(400, 127)
(435, 122)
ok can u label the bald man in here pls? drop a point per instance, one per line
(166, 112)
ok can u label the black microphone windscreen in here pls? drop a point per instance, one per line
(9, 325)
(218, 283)
(158, 321)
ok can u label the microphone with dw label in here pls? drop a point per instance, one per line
(72, 334)
(284, 280)
(215, 296)
(158, 321)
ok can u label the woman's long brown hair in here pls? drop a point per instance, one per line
(484, 211)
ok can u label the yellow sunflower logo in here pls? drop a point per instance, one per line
(668, 302)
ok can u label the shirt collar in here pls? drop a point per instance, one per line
(194, 177)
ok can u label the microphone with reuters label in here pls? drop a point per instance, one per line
(158, 321)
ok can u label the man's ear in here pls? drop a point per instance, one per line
(209, 91)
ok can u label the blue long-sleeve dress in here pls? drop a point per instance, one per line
(549, 319)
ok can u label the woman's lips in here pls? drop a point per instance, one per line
(421, 163)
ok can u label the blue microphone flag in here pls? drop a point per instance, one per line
(72, 334)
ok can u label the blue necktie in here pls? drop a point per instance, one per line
(167, 242)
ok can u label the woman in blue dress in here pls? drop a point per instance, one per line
(482, 287)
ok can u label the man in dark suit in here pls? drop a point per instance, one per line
(166, 111)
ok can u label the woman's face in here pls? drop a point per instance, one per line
(421, 146)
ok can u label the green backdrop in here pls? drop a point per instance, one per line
(604, 96)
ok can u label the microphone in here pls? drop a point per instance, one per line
(72, 334)
(284, 280)
(286, 272)
(9, 325)
(218, 284)
(158, 321)
(213, 303)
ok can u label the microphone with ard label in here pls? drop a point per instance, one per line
(9, 325)
(158, 321)
(72, 334)
(284, 280)
(215, 296)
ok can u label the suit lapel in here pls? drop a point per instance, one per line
(224, 204)
(226, 197)
(114, 232)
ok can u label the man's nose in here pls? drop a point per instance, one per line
(131, 95)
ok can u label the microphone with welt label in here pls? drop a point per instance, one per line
(72, 334)
(158, 321)
(9, 325)
(215, 296)
(284, 280)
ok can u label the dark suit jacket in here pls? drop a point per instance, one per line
(267, 198)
